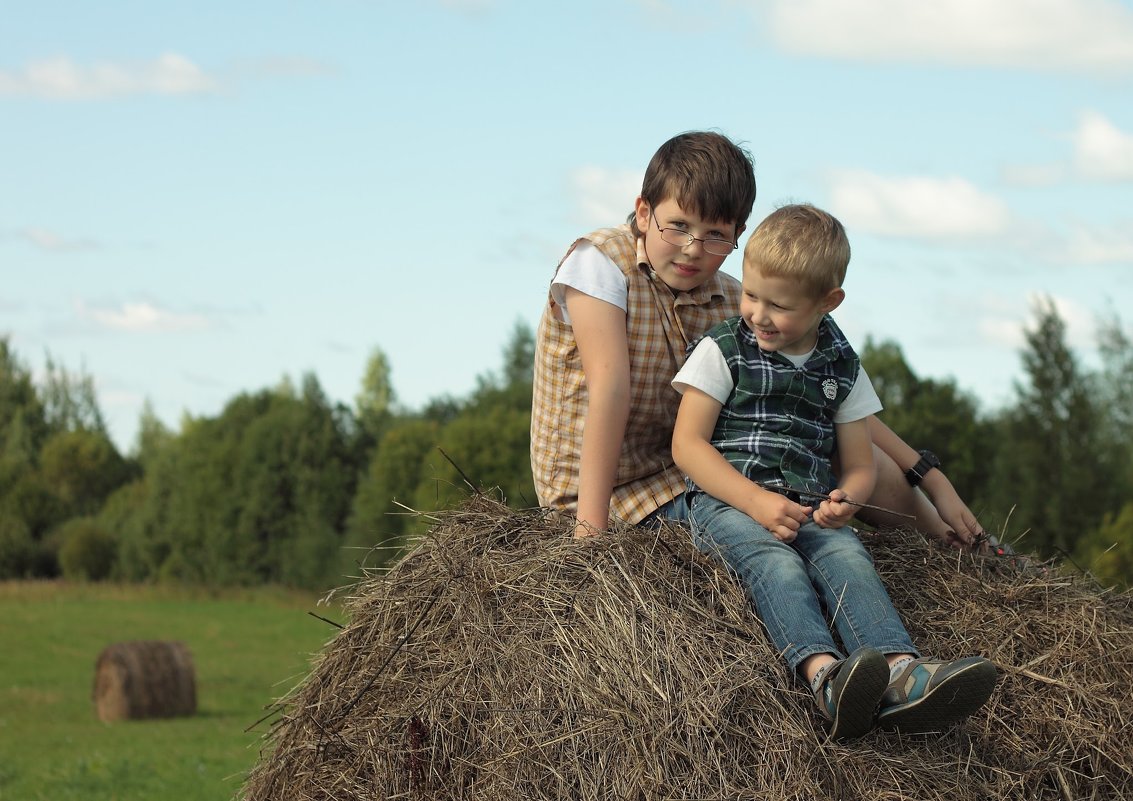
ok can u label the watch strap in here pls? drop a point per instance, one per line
(915, 474)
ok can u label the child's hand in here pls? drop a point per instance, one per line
(833, 513)
(779, 515)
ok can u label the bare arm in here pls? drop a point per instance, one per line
(695, 455)
(600, 331)
(947, 517)
(857, 478)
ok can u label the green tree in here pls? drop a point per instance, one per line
(1114, 395)
(488, 442)
(153, 435)
(88, 551)
(1107, 552)
(17, 548)
(123, 516)
(82, 467)
(23, 425)
(377, 521)
(1053, 447)
(932, 414)
(489, 449)
(70, 401)
(374, 402)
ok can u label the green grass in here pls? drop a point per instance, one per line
(249, 648)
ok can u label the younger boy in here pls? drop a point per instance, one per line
(769, 398)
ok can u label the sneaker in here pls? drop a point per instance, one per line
(849, 692)
(931, 694)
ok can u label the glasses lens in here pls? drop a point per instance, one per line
(675, 237)
(719, 247)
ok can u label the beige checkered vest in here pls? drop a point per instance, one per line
(659, 328)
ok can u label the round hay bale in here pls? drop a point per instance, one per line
(144, 679)
(501, 660)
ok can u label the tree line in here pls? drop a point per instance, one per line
(286, 486)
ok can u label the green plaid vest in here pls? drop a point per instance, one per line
(777, 426)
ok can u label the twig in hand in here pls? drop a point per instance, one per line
(808, 494)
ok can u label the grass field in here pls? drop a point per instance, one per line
(249, 647)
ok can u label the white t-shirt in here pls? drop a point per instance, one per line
(707, 371)
(591, 272)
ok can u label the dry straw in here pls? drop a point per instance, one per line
(144, 679)
(501, 660)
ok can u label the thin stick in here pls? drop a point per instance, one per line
(808, 494)
(467, 480)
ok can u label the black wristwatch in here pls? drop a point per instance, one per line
(915, 474)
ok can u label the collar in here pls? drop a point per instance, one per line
(830, 346)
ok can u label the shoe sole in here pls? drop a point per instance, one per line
(861, 691)
(954, 699)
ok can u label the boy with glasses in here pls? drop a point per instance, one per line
(768, 399)
(624, 304)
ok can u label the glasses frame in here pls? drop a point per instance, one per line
(689, 238)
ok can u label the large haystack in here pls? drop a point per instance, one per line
(501, 660)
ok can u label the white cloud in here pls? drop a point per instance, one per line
(49, 240)
(1090, 244)
(1102, 152)
(1004, 320)
(1079, 35)
(1033, 176)
(141, 316)
(62, 79)
(1081, 323)
(916, 207)
(603, 195)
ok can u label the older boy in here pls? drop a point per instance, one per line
(623, 307)
(769, 397)
(624, 304)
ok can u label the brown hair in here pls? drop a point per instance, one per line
(803, 243)
(706, 173)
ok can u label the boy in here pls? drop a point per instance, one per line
(623, 307)
(769, 398)
(624, 304)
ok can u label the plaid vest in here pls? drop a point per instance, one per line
(777, 426)
(659, 328)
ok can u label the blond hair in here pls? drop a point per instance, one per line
(803, 243)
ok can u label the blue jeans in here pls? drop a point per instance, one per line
(791, 583)
(676, 509)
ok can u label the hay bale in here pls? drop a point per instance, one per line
(144, 679)
(500, 660)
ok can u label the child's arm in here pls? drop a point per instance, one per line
(600, 331)
(695, 455)
(855, 453)
(961, 524)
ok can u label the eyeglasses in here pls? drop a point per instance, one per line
(682, 239)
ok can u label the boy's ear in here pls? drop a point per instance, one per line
(642, 211)
(832, 300)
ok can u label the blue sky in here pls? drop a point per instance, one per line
(198, 199)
